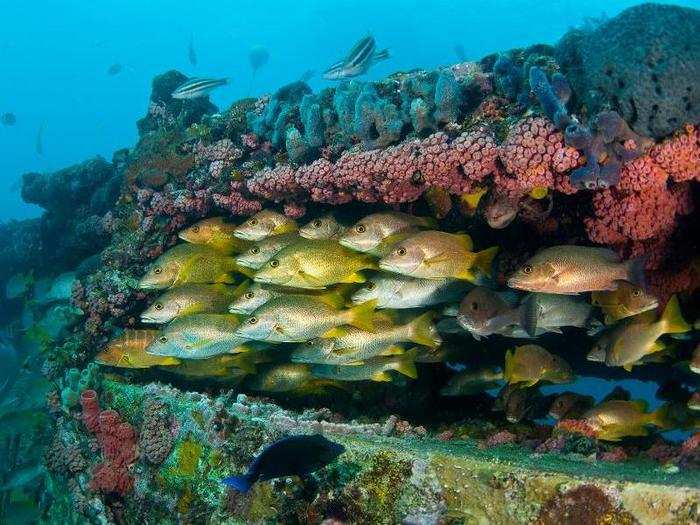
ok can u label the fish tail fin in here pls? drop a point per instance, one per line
(406, 364)
(483, 260)
(332, 298)
(245, 362)
(529, 315)
(661, 417)
(240, 483)
(423, 331)
(362, 315)
(382, 55)
(672, 319)
(636, 271)
(508, 367)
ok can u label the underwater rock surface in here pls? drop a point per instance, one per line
(385, 263)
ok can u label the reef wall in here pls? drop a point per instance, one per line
(581, 143)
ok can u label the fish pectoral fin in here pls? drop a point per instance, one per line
(356, 277)
(436, 259)
(382, 377)
(392, 350)
(334, 333)
(657, 346)
(628, 367)
(354, 363)
(311, 280)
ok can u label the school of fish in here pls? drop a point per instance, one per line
(300, 309)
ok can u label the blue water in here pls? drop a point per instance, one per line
(54, 57)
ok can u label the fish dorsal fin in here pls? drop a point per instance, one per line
(607, 254)
(464, 240)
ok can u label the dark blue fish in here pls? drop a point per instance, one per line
(114, 69)
(292, 456)
(8, 119)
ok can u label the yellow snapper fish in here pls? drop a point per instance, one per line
(399, 291)
(627, 300)
(189, 263)
(254, 295)
(615, 419)
(471, 382)
(434, 254)
(314, 264)
(217, 233)
(346, 344)
(375, 369)
(325, 227)
(265, 223)
(263, 250)
(293, 378)
(530, 364)
(129, 351)
(223, 365)
(298, 318)
(190, 299)
(375, 233)
(199, 336)
(576, 269)
(629, 342)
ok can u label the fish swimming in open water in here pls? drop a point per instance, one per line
(197, 87)
(362, 56)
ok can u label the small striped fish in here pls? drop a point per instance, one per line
(198, 87)
(361, 57)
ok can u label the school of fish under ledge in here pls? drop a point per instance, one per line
(452, 296)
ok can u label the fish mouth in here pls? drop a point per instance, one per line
(344, 241)
(147, 285)
(247, 264)
(245, 235)
(151, 320)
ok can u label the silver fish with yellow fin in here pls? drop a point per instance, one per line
(375, 369)
(627, 300)
(325, 227)
(265, 223)
(129, 351)
(190, 299)
(529, 364)
(615, 419)
(377, 232)
(215, 232)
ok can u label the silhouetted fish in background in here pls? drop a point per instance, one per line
(191, 53)
(8, 119)
(39, 144)
(362, 56)
(197, 87)
(307, 75)
(292, 456)
(114, 69)
(258, 57)
(459, 51)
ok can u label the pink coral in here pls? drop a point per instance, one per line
(679, 156)
(528, 154)
(221, 155)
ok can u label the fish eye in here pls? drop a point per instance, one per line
(475, 306)
(401, 251)
(527, 269)
(253, 222)
(254, 250)
(317, 223)
(371, 286)
(252, 320)
(309, 343)
(158, 306)
(195, 229)
(157, 270)
(636, 292)
(249, 295)
(274, 263)
(163, 339)
(360, 228)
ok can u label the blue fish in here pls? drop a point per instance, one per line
(291, 456)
